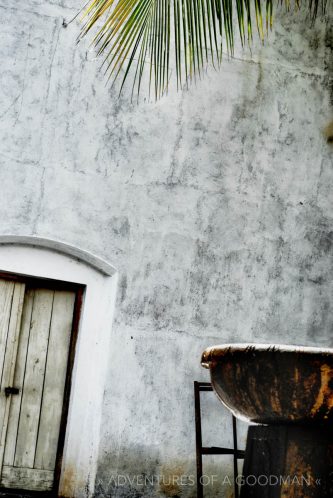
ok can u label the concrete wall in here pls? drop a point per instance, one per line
(214, 204)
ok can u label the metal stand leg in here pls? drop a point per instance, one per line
(198, 437)
(202, 450)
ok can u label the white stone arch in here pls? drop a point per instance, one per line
(53, 259)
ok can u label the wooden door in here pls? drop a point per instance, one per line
(35, 337)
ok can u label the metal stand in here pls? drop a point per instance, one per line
(214, 450)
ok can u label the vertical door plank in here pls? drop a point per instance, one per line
(10, 358)
(34, 378)
(6, 299)
(15, 406)
(55, 377)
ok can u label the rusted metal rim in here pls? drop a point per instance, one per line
(214, 353)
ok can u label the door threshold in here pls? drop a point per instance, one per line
(21, 493)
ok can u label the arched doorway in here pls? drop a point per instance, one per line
(49, 440)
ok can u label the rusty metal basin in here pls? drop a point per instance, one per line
(268, 384)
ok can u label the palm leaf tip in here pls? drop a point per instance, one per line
(138, 36)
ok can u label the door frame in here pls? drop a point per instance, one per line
(54, 260)
(79, 291)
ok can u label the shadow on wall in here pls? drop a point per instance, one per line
(139, 475)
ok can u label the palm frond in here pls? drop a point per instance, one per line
(137, 35)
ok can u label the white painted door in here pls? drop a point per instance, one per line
(35, 333)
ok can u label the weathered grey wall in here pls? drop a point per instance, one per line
(215, 205)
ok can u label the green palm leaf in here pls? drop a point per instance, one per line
(137, 35)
